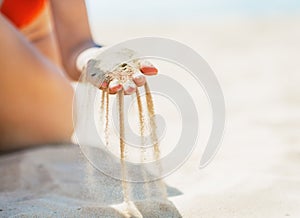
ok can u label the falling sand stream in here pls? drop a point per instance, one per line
(105, 110)
(146, 118)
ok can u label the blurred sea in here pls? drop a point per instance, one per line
(172, 10)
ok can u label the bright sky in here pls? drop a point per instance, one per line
(155, 10)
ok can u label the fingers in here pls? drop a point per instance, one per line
(114, 86)
(129, 87)
(147, 68)
(139, 79)
(104, 85)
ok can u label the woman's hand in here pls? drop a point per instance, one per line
(126, 76)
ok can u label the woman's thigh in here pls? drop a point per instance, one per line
(36, 98)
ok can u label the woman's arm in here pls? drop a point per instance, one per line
(72, 31)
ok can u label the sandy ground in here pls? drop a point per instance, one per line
(256, 172)
(58, 182)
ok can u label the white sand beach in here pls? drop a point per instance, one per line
(256, 172)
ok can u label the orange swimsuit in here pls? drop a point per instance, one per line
(22, 12)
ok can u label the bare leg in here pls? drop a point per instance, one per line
(35, 97)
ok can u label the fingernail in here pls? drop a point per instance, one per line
(115, 86)
(139, 78)
(129, 87)
(104, 85)
(147, 68)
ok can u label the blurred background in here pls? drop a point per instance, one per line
(158, 11)
(253, 47)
